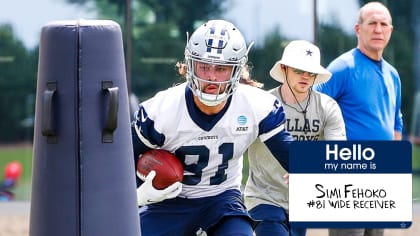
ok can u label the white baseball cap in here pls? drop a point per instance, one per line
(302, 55)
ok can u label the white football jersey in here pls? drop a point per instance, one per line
(324, 121)
(210, 148)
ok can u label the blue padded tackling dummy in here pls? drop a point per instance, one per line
(83, 180)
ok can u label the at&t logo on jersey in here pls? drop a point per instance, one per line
(241, 124)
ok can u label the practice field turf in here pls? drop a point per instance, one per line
(23, 154)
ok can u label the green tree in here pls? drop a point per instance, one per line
(262, 58)
(333, 41)
(17, 83)
(158, 36)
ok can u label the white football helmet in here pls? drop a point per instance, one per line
(216, 42)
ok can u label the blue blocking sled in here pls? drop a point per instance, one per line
(83, 180)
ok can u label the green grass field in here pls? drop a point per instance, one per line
(23, 154)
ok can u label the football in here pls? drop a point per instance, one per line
(167, 166)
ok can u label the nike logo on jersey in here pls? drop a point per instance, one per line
(150, 201)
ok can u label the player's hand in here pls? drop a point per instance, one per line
(147, 194)
(286, 178)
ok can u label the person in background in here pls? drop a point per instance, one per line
(310, 116)
(367, 88)
(208, 122)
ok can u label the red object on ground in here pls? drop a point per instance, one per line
(13, 170)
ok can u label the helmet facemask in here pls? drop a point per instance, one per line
(216, 42)
(225, 88)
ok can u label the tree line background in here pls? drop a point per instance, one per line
(157, 42)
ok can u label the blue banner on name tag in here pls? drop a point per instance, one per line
(350, 184)
(350, 157)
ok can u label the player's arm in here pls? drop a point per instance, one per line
(274, 135)
(138, 146)
(144, 138)
(144, 134)
(279, 146)
(146, 193)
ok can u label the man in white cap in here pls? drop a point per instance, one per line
(310, 115)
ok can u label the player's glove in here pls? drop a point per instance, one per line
(147, 194)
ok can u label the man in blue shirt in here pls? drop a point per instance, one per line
(367, 88)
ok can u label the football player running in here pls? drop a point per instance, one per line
(310, 116)
(208, 122)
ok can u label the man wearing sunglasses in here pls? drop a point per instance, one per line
(310, 115)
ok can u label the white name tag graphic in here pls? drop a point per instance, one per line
(365, 184)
